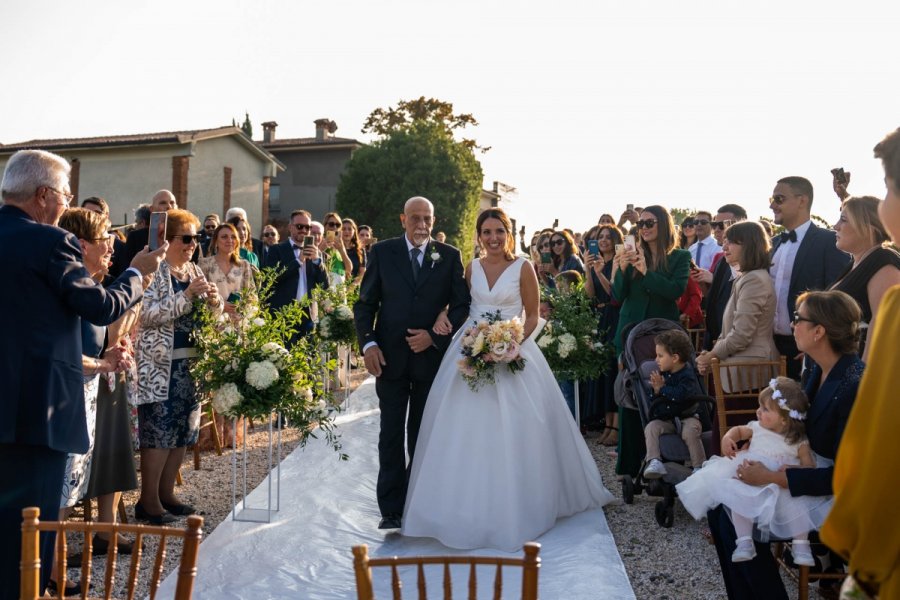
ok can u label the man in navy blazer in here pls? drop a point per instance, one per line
(296, 260)
(804, 258)
(42, 413)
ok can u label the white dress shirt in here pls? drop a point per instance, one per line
(710, 249)
(301, 283)
(781, 271)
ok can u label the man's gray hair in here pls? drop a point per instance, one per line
(27, 170)
(236, 211)
(416, 200)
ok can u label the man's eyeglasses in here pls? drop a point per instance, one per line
(797, 319)
(558, 242)
(300, 226)
(210, 227)
(646, 224)
(269, 234)
(106, 237)
(702, 222)
(333, 225)
(723, 225)
(779, 199)
(68, 197)
(186, 238)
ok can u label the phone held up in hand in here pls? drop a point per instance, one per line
(308, 241)
(555, 223)
(629, 243)
(545, 258)
(629, 207)
(593, 247)
(156, 233)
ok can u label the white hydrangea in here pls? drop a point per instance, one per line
(325, 327)
(259, 321)
(275, 352)
(567, 344)
(545, 341)
(226, 398)
(261, 374)
(344, 313)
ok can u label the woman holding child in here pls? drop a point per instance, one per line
(826, 328)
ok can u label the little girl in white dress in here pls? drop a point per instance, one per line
(776, 439)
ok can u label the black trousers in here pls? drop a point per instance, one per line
(29, 476)
(396, 397)
(755, 579)
(787, 346)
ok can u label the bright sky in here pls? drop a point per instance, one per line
(587, 105)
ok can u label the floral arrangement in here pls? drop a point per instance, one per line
(433, 256)
(251, 365)
(486, 345)
(570, 341)
(335, 324)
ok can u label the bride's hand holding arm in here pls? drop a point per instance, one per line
(443, 326)
(531, 298)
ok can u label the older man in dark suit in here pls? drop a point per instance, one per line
(302, 264)
(42, 413)
(804, 257)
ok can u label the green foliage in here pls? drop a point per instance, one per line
(822, 222)
(247, 127)
(680, 214)
(570, 341)
(336, 326)
(419, 159)
(246, 369)
(408, 112)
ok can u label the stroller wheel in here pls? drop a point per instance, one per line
(628, 489)
(665, 515)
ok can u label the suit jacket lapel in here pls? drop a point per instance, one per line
(404, 264)
(802, 252)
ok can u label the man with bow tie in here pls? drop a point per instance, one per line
(302, 264)
(804, 257)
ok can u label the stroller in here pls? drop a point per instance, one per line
(639, 362)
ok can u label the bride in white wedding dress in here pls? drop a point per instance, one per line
(496, 467)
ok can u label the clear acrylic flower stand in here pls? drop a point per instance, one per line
(257, 514)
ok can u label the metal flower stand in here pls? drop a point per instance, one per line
(240, 510)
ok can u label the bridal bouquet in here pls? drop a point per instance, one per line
(335, 324)
(571, 342)
(247, 366)
(486, 345)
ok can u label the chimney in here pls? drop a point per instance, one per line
(269, 131)
(325, 129)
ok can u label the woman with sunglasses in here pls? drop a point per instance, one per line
(245, 249)
(648, 280)
(542, 257)
(563, 257)
(826, 329)
(337, 261)
(232, 275)
(598, 286)
(355, 250)
(687, 234)
(168, 404)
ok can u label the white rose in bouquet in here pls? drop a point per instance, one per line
(344, 313)
(226, 398)
(567, 344)
(478, 345)
(261, 374)
(259, 321)
(275, 352)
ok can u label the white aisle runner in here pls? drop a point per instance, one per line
(327, 506)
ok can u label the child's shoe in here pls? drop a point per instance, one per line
(744, 551)
(802, 554)
(655, 469)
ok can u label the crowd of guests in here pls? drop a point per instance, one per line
(99, 343)
(104, 331)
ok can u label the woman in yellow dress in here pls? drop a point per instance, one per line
(864, 524)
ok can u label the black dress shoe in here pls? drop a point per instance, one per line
(101, 546)
(180, 510)
(390, 522)
(141, 514)
(73, 589)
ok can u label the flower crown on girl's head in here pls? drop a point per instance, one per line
(782, 402)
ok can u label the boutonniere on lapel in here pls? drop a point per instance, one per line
(433, 255)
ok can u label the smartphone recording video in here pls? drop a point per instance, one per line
(593, 247)
(629, 243)
(308, 241)
(156, 233)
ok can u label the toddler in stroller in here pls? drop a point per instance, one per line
(661, 415)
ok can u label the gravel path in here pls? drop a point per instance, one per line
(676, 563)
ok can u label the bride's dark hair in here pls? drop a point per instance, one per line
(500, 215)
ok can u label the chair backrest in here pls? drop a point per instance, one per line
(737, 385)
(530, 563)
(31, 561)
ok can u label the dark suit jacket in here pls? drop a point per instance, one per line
(285, 290)
(258, 248)
(41, 384)
(716, 300)
(817, 264)
(829, 410)
(390, 301)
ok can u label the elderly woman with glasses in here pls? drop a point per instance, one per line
(648, 280)
(168, 405)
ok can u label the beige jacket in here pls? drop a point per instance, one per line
(161, 306)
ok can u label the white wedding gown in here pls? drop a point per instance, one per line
(495, 468)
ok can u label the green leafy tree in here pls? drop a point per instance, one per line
(247, 127)
(418, 158)
(384, 121)
(680, 214)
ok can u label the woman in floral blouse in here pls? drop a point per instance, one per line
(232, 275)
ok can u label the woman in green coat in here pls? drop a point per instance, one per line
(647, 281)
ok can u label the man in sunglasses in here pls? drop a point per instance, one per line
(210, 222)
(705, 248)
(302, 264)
(804, 257)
